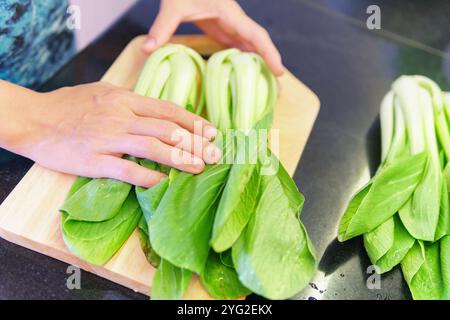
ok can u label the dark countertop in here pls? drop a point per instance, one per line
(327, 45)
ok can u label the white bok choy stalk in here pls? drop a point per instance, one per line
(387, 124)
(421, 216)
(240, 90)
(174, 73)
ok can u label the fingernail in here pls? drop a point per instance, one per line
(210, 133)
(149, 44)
(212, 154)
(197, 162)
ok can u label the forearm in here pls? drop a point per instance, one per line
(15, 124)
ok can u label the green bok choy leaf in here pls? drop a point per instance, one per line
(221, 280)
(97, 241)
(274, 256)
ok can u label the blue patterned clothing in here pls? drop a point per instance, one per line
(34, 40)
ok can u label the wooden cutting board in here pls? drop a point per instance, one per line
(29, 216)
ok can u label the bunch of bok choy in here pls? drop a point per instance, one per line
(236, 225)
(403, 212)
(173, 73)
(99, 215)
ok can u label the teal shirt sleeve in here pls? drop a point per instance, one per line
(34, 40)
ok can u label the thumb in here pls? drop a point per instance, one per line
(164, 26)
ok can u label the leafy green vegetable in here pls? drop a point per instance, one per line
(383, 197)
(413, 181)
(77, 185)
(97, 200)
(144, 239)
(445, 266)
(249, 219)
(97, 242)
(170, 282)
(422, 271)
(98, 210)
(238, 200)
(443, 227)
(181, 227)
(387, 124)
(378, 241)
(98, 216)
(87, 230)
(274, 256)
(221, 280)
(171, 73)
(237, 204)
(240, 90)
(438, 99)
(149, 199)
(241, 94)
(257, 214)
(226, 258)
(421, 221)
(388, 244)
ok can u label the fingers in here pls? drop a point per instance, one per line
(252, 36)
(164, 26)
(147, 107)
(226, 22)
(260, 39)
(154, 149)
(211, 28)
(173, 135)
(127, 171)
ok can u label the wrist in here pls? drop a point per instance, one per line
(19, 117)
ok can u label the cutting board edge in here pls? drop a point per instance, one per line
(67, 257)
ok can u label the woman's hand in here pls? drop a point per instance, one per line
(223, 20)
(85, 130)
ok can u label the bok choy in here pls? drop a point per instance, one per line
(236, 225)
(403, 211)
(232, 208)
(173, 73)
(98, 216)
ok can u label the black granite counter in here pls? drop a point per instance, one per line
(327, 45)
